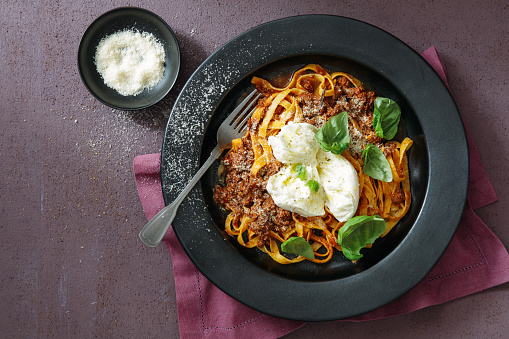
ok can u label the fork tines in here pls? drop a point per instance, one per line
(244, 110)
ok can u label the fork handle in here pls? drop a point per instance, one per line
(154, 231)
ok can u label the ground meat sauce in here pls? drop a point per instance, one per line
(358, 103)
(242, 193)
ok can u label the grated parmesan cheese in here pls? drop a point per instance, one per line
(130, 61)
(357, 141)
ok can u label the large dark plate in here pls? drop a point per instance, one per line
(120, 19)
(438, 163)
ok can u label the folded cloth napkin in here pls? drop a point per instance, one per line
(475, 260)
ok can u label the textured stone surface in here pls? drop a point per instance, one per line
(72, 264)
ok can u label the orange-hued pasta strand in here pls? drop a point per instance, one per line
(278, 107)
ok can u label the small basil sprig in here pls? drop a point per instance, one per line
(358, 232)
(386, 115)
(375, 163)
(299, 246)
(300, 171)
(333, 136)
(313, 185)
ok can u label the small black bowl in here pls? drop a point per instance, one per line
(118, 20)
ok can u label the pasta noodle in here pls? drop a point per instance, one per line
(312, 95)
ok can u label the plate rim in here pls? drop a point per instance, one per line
(270, 308)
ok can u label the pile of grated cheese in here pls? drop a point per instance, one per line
(130, 61)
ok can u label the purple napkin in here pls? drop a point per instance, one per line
(475, 260)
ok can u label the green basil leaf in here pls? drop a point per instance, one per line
(375, 163)
(300, 171)
(299, 246)
(333, 136)
(313, 185)
(386, 115)
(358, 232)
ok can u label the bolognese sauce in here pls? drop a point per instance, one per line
(244, 171)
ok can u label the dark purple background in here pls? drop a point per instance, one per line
(71, 262)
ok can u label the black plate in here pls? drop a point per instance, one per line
(118, 20)
(438, 163)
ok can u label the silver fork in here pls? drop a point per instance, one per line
(232, 128)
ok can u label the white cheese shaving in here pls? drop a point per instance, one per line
(130, 61)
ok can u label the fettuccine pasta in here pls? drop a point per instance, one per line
(313, 96)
